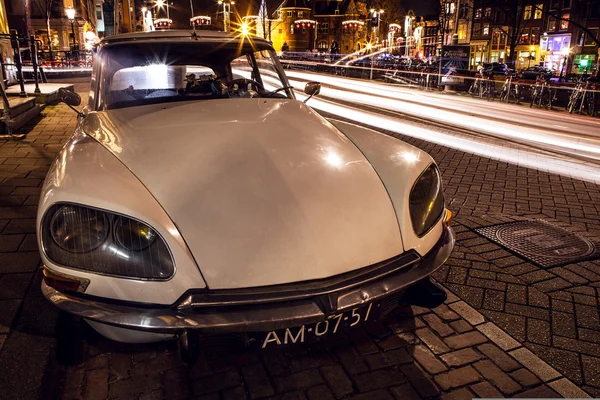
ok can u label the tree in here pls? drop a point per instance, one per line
(45, 8)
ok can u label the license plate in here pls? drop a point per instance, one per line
(311, 332)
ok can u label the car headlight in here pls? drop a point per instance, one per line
(102, 242)
(426, 200)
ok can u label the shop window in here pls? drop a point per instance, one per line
(564, 25)
(538, 11)
(527, 13)
(589, 38)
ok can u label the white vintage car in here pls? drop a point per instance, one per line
(198, 196)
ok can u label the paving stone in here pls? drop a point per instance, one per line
(460, 394)
(388, 359)
(404, 392)
(462, 340)
(379, 379)
(525, 378)
(498, 336)
(457, 378)
(10, 243)
(96, 386)
(437, 325)
(535, 364)
(381, 394)
(257, 381)
(492, 373)
(486, 390)
(428, 360)
(468, 313)
(567, 389)
(434, 343)
(8, 310)
(19, 262)
(461, 357)
(499, 357)
(514, 325)
(528, 311)
(320, 392)
(591, 370)
(337, 380)
(461, 326)
(227, 379)
(419, 380)
(540, 392)
(14, 286)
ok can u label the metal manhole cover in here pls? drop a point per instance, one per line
(541, 242)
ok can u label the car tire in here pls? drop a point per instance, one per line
(70, 339)
(189, 347)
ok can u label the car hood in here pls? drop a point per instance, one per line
(264, 191)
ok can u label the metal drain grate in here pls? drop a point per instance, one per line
(541, 242)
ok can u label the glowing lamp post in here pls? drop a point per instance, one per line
(71, 15)
(161, 4)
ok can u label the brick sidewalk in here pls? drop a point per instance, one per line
(453, 351)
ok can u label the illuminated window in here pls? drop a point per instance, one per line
(524, 37)
(289, 14)
(527, 13)
(300, 14)
(488, 12)
(564, 25)
(478, 13)
(486, 30)
(538, 11)
(535, 34)
(462, 31)
(292, 29)
(551, 24)
(476, 29)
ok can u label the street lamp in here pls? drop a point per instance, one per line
(71, 15)
(161, 4)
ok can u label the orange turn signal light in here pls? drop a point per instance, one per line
(447, 218)
(64, 283)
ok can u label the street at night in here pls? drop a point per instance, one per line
(304, 199)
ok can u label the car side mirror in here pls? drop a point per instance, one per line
(312, 89)
(69, 98)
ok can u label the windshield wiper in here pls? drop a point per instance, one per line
(278, 90)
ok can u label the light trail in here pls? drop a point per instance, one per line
(487, 147)
(441, 109)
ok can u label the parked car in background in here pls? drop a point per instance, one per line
(199, 196)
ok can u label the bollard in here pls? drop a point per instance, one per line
(14, 41)
(34, 62)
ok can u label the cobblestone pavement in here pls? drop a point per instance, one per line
(484, 342)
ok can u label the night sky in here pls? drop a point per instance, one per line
(180, 13)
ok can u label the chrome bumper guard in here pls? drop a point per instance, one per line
(250, 317)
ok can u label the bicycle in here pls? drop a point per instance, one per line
(583, 96)
(510, 88)
(543, 93)
(489, 86)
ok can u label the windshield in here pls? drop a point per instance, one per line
(150, 73)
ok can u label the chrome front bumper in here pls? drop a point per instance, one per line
(251, 316)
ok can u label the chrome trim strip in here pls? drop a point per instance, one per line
(248, 318)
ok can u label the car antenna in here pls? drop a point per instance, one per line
(193, 26)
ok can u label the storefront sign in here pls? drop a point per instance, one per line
(584, 62)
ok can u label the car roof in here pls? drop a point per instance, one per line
(182, 35)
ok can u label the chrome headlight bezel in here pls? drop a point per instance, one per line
(153, 262)
(426, 201)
